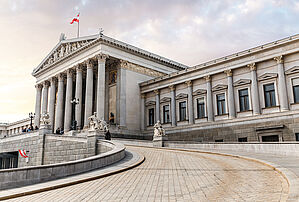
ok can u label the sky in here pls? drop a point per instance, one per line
(190, 32)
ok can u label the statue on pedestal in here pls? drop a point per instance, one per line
(158, 130)
(45, 119)
(97, 124)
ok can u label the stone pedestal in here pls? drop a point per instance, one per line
(159, 141)
(92, 138)
(45, 129)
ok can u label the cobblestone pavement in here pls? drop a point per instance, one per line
(178, 176)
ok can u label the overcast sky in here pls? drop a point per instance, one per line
(189, 31)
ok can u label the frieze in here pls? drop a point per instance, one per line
(139, 69)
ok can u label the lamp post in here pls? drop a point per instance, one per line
(74, 122)
(31, 116)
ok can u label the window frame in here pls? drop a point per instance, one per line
(274, 93)
(248, 99)
(163, 111)
(223, 104)
(180, 115)
(148, 116)
(197, 107)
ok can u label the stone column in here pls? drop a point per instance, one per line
(89, 92)
(78, 95)
(101, 85)
(173, 105)
(282, 88)
(231, 97)
(122, 93)
(68, 99)
(142, 108)
(209, 99)
(59, 104)
(38, 100)
(45, 97)
(52, 102)
(254, 90)
(158, 117)
(190, 102)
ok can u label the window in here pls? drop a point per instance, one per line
(297, 136)
(219, 140)
(269, 92)
(166, 118)
(296, 89)
(221, 104)
(200, 108)
(270, 138)
(151, 117)
(242, 139)
(244, 100)
(182, 108)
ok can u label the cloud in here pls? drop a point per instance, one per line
(189, 31)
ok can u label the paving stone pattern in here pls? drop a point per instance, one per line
(179, 176)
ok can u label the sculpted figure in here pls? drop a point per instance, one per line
(93, 122)
(45, 119)
(158, 130)
(61, 51)
(55, 55)
(103, 125)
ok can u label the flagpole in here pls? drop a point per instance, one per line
(78, 30)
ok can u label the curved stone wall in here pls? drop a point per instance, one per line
(17, 177)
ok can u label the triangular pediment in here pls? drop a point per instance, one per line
(267, 76)
(199, 92)
(241, 82)
(293, 70)
(219, 87)
(150, 103)
(64, 49)
(181, 96)
(165, 99)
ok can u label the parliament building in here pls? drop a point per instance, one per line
(248, 96)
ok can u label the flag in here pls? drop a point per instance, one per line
(23, 153)
(75, 19)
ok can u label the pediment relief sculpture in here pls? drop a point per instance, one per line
(267, 76)
(219, 87)
(199, 92)
(181, 96)
(165, 99)
(241, 82)
(293, 70)
(150, 103)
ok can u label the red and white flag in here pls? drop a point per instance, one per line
(23, 153)
(75, 19)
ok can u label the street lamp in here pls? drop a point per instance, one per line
(31, 116)
(74, 122)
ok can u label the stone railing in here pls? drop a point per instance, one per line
(17, 177)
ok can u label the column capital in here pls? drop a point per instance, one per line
(78, 68)
(208, 78)
(279, 59)
(157, 92)
(172, 87)
(39, 85)
(69, 73)
(53, 80)
(123, 63)
(252, 67)
(189, 83)
(89, 63)
(46, 83)
(60, 77)
(102, 57)
(228, 72)
(143, 95)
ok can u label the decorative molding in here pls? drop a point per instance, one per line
(219, 87)
(61, 77)
(172, 87)
(252, 67)
(279, 59)
(165, 99)
(69, 72)
(150, 103)
(189, 83)
(140, 69)
(89, 63)
(228, 72)
(157, 92)
(292, 70)
(267, 76)
(200, 92)
(39, 86)
(241, 82)
(181, 96)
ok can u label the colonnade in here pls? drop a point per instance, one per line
(61, 116)
(256, 107)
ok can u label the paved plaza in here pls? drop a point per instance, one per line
(178, 176)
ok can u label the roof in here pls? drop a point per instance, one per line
(81, 43)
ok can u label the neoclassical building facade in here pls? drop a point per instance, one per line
(251, 95)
